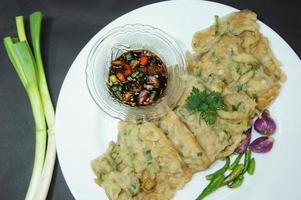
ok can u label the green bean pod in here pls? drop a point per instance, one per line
(238, 170)
(251, 167)
(220, 171)
(247, 160)
(236, 161)
(212, 186)
(237, 182)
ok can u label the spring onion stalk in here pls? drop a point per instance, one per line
(30, 70)
(24, 64)
(20, 28)
(35, 21)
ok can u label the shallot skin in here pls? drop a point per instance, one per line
(262, 144)
(265, 125)
(244, 144)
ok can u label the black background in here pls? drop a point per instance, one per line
(68, 26)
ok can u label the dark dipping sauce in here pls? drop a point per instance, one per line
(137, 78)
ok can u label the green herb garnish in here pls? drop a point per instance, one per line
(237, 106)
(205, 102)
(217, 24)
(215, 58)
(253, 67)
(255, 97)
(128, 57)
(239, 87)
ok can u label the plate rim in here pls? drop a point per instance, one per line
(102, 32)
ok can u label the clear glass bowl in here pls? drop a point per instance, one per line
(132, 37)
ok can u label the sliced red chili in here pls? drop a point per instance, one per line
(120, 76)
(143, 60)
(128, 70)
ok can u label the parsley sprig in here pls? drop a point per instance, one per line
(206, 102)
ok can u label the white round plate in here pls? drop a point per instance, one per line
(83, 131)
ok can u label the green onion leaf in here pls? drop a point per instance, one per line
(30, 70)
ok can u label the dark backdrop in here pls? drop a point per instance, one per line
(68, 26)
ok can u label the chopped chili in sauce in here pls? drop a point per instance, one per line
(137, 78)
